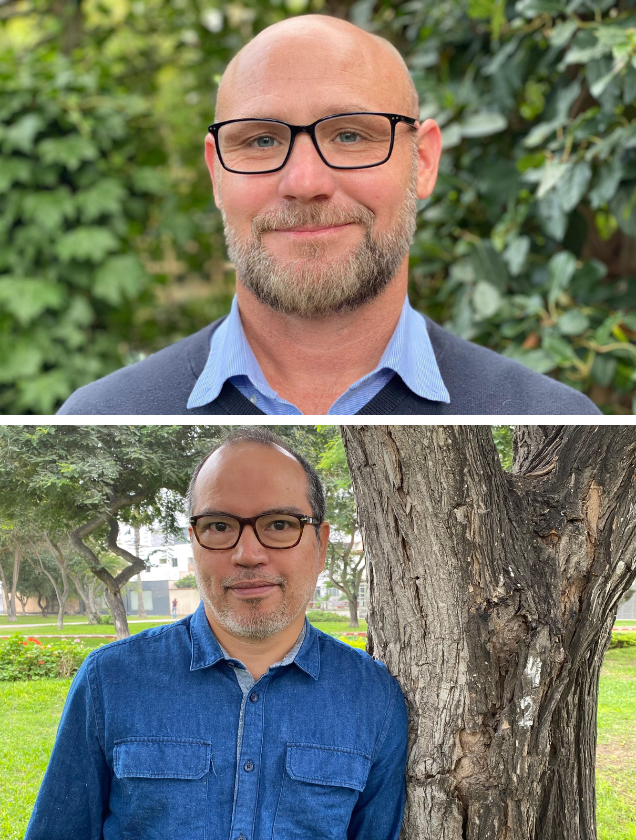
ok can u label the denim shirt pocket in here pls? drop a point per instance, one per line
(164, 787)
(319, 790)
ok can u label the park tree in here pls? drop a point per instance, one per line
(85, 480)
(492, 598)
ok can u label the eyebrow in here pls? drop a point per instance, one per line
(291, 510)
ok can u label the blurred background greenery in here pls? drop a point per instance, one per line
(111, 246)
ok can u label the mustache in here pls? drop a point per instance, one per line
(232, 581)
(319, 215)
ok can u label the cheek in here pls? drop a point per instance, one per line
(244, 199)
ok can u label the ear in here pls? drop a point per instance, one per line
(429, 150)
(210, 160)
(323, 530)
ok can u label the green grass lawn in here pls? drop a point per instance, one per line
(616, 749)
(29, 714)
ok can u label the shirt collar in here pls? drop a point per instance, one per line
(231, 356)
(206, 650)
(409, 353)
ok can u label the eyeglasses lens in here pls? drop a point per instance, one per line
(345, 141)
(274, 530)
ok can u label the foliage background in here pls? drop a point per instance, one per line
(111, 247)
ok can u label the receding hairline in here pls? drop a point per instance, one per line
(302, 22)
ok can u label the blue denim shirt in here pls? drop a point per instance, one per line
(148, 745)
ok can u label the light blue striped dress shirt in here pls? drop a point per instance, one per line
(409, 353)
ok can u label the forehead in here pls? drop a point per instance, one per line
(309, 70)
(246, 478)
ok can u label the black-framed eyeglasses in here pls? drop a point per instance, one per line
(358, 140)
(218, 531)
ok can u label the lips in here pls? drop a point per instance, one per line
(253, 588)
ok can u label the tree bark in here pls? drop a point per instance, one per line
(113, 584)
(141, 609)
(87, 594)
(10, 594)
(492, 598)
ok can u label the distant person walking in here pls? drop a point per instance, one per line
(174, 608)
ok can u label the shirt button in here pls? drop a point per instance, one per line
(241, 837)
(253, 400)
(248, 766)
(254, 697)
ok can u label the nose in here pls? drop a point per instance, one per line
(248, 551)
(305, 177)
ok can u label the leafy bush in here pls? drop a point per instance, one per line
(29, 659)
(324, 616)
(106, 619)
(187, 582)
(528, 242)
(621, 639)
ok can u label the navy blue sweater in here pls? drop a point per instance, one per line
(478, 380)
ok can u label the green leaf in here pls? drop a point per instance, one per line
(551, 216)
(561, 268)
(559, 349)
(102, 198)
(623, 206)
(606, 182)
(71, 151)
(86, 243)
(553, 172)
(121, 277)
(572, 322)
(14, 170)
(483, 124)
(20, 136)
(22, 359)
(540, 132)
(532, 8)
(489, 265)
(149, 179)
(537, 360)
(572, 186)
(516, 253)
(562, 33)
(486, 299)
(49, 210)
(603, 369)
(26, 299)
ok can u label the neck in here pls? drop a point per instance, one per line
(257, 654)
(311, 362)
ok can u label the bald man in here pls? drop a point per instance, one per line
(317, 159)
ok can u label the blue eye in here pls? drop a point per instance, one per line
(348, 137)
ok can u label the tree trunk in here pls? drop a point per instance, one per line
(141, 609)
(353, 614)
(118, 609)
(492, 598)
(43, 606)
(11, 614)
(87, 594)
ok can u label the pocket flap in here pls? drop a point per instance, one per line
(327, 765)
(161, 758)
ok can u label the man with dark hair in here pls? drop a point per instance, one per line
(241, 721)
(318, 158)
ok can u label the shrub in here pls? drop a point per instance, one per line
(187, 582)
(29, 659)
(621, 639)
(107, 619)
(323, 616)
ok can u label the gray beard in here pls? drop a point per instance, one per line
(255, 625)
(312, 285)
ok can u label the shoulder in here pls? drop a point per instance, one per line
(160, 384)
(481, 381)
(353, 660)
(151, 647)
